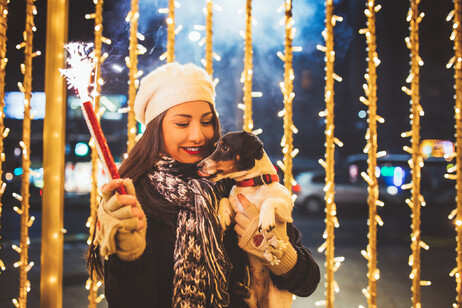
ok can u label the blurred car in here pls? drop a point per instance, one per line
(310, 190)
(392, 172)
(350, 188)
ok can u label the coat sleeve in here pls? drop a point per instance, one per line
(303, 279)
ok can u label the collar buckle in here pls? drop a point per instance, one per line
(265, 178)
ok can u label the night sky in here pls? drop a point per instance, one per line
(435, 49)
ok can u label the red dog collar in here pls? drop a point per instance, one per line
(259, 180)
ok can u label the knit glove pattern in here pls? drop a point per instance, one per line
(117, 230)
(272, 247)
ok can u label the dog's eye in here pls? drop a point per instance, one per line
(225, 148)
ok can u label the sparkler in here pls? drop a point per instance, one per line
(81, 64)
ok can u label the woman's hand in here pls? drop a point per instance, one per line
(129, 199)
(271, 247)
(121, 225)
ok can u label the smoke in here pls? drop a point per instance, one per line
(268, 37)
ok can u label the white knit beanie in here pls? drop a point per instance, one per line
(170, 85)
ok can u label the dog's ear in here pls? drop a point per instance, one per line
(251, 147)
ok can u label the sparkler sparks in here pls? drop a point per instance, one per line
(81, 63)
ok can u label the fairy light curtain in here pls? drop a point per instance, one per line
(416, 162)
(133, 74)
(456, 61)
(331, 220)
(171, 31)
(92, 284)
(26, 220)
(208, 37)
(370, 100)
(247, 74)
(3, 131)
(332, 264)
(287, 90)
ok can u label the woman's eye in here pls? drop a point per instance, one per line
(205, 123)
(182, 124)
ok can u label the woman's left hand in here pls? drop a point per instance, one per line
(272, 247)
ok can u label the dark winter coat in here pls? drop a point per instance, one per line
(148, 281)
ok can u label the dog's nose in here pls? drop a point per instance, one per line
(200, 165)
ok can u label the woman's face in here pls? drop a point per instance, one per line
(187, 128)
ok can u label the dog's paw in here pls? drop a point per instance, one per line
(225, 221)
(267, 221)
(225, 213)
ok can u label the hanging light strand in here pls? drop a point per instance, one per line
(134, 74)
(3, 62)
(331, 211)
(456, 62)
(247, 74)
(287, 90)
(208, 38)
(370, 89)
(98, 32)
(416, 162)
(171, 32)
(26, 88)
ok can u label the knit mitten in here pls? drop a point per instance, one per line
(272, 247)
(117, 230)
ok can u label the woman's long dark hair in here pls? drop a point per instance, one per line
(141, 159)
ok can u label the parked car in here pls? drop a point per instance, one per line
(394, 171)
(350, 188)
(310, 190)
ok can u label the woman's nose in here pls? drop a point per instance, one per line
(195, 134)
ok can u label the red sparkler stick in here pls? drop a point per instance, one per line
(80, 67)
(101, 143)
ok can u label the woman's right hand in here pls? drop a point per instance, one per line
(129, 199)
(121, 225)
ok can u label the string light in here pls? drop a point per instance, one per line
(171, 32)
(370, 90)
(328, 164)
(287, 91)
(26, 88)
(3, 62)
(247, 74)
(455, 62)
(208, 35)
(134, 49)
(416, 163)
(98, 16)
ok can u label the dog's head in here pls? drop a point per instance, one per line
(235, 154)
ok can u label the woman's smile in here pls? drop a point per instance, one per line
(192, 150)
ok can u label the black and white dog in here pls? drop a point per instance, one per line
(240, 156)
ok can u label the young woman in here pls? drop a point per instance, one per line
(163, 245)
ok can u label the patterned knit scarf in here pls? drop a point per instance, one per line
(201, 266)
